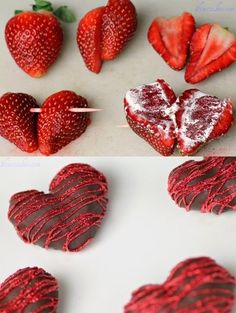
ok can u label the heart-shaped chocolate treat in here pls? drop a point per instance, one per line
(197, 285)
(30, 290)
(69, 216)
(208, 185)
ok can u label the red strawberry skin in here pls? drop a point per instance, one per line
(34, 40)
(17, 123)
(103, 32)
(57, 126)
(200, 119)
(148, 110)
(89, 38)
(213, 48)
(171, 38)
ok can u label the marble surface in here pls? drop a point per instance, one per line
(138, 64)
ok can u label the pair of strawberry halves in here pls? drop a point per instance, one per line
(104, 32)
(50, 130)
(212, 47)
(35, 38)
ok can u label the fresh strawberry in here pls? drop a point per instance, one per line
(201, 118)
(171, 38)
(149, 110)
(17, 123)
(57, 126)
(213, 48)
(103, 32)
(35, 38)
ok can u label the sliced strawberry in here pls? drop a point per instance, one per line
(17, 123)
(213, 48)
(57, 126)
(89, 37)
(171, 38)
(103, 32)
(201, 118)
(118, 27)
(34, 40)
(149, 110)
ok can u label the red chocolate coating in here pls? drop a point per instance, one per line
(208, 185)
(197, 285)
(30, 290)
(69, 216)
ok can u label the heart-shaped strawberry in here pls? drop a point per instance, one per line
(30, 290)
(149, 110)
(208, 185)
(69, 216)
(200, 119)
(197, 285)
(17, 123)
(57, 125)
(192, 120)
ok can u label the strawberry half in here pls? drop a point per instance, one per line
(213, 48)
(17, 123)
(103, 32)
(171, 38)
(201, 118)
(149, 110)
(57, 126)
(34, 39)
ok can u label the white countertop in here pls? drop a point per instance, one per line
(138, 64)
(144, 235)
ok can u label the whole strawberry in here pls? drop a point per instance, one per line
(34, 39)
(104, 32)
(17, 123)
(57, 125)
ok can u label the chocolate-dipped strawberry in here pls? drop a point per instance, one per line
(197, 285)
(208, 185)
(69, 216)
(30, 290)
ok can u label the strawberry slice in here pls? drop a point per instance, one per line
(149, 110)
(201, 118)
(118, 27)
(57, 126)
(213, 48)
(17, 123)
(103, 32)
(89, 37)
(171, 38)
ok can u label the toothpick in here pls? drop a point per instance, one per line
(123, 126)
(73, 110)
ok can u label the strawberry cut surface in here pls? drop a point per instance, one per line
(201, 118)
(149, 109)
(171, 38)
(213, 48)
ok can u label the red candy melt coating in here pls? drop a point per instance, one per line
(197, 285)
(30, 290)
(208, 185)
(69, 216)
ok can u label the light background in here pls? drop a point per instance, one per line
(144, 235)
(138, 64)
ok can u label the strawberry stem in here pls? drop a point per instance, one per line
(63, 12)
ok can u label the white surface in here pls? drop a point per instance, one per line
(138, 64)
(145, 234)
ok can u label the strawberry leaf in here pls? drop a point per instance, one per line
(65, 14)
(42, 5)
(18, 12)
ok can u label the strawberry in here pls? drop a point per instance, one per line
(213, 48)
(103, 32)
(57, 126)
(34, 39)
(17, 123)
(149, 110)
(171, 38)
(200, 119)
